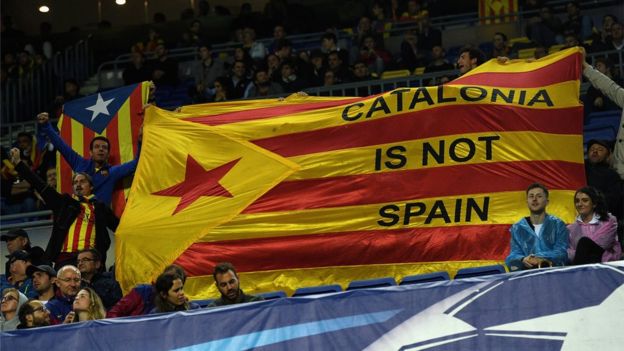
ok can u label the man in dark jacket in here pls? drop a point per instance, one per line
(107, 288)
(602, 177)
(80, 221)
(17, 239)
(228, 284)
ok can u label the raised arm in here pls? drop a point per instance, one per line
(603, 83)
(49, 195)
(71, 156)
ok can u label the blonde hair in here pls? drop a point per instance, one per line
(96, 307)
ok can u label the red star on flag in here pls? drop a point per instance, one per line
(198, 182)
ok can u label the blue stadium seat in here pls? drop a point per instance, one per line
(425, 278)
(272, 295)
(597, 131)
(371, 283)
(203, 303)
(314, 290)
(479, 271)
(612, 116)
(608, 121)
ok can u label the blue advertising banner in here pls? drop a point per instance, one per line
(569, 308)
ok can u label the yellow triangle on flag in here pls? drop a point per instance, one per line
(190, 178)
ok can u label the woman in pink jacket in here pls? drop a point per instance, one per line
(593, 236)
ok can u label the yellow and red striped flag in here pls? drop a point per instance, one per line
(497, 11)
(120, 122)
(190, 179)
(406, 182)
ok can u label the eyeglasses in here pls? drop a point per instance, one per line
(85, 260)
(67, 280)
(40, 308)
(8, 298)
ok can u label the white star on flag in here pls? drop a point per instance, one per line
(100, 106)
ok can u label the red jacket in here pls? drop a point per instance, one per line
(138, 301)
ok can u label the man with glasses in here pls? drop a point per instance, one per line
(33, 314)
(90, 266)
(68, 283)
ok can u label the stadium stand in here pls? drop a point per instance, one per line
(425, 278)
(479, 271)
(315, 290)
(272, 295)
(371, 283)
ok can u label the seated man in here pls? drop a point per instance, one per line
(43, 278)
(107, 288)
(601, 176)
(19, 263)
(68, 283)
(33, 314)
(539, 239)
(80, 220)
(18, 239)
(228, 284)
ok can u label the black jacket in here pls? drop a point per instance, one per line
(65, 209)
(106, 287)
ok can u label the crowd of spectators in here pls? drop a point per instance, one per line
(78, 288)
(335, 58)
(295, 68)
(40, 295)
(254, 69)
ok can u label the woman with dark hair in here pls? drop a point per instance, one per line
(223, 89)
(169, 294)
(140, 300)
(593, 237)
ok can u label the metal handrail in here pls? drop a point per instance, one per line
(26, 225)
(27, 214)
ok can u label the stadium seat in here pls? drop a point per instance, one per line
(419, 71)
(371, 283)
(272, 295)
(425, 278)
(314, 290)
(612, 116)
(479, 271)
(526, 53)
(395, 74)
(597, 129)
(522, 40)
(555, 48)
(203, 303)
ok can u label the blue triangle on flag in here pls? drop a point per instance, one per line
(97, 110)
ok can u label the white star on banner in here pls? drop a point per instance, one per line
(100, 106)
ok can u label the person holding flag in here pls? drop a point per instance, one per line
(91, 118)
(80, 220)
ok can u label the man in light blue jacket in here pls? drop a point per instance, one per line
(539, 239)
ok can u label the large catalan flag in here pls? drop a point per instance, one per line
(410, 181)
(115, 114)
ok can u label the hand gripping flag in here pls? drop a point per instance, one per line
(406, 182)
(115, 114)
(190, 179)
